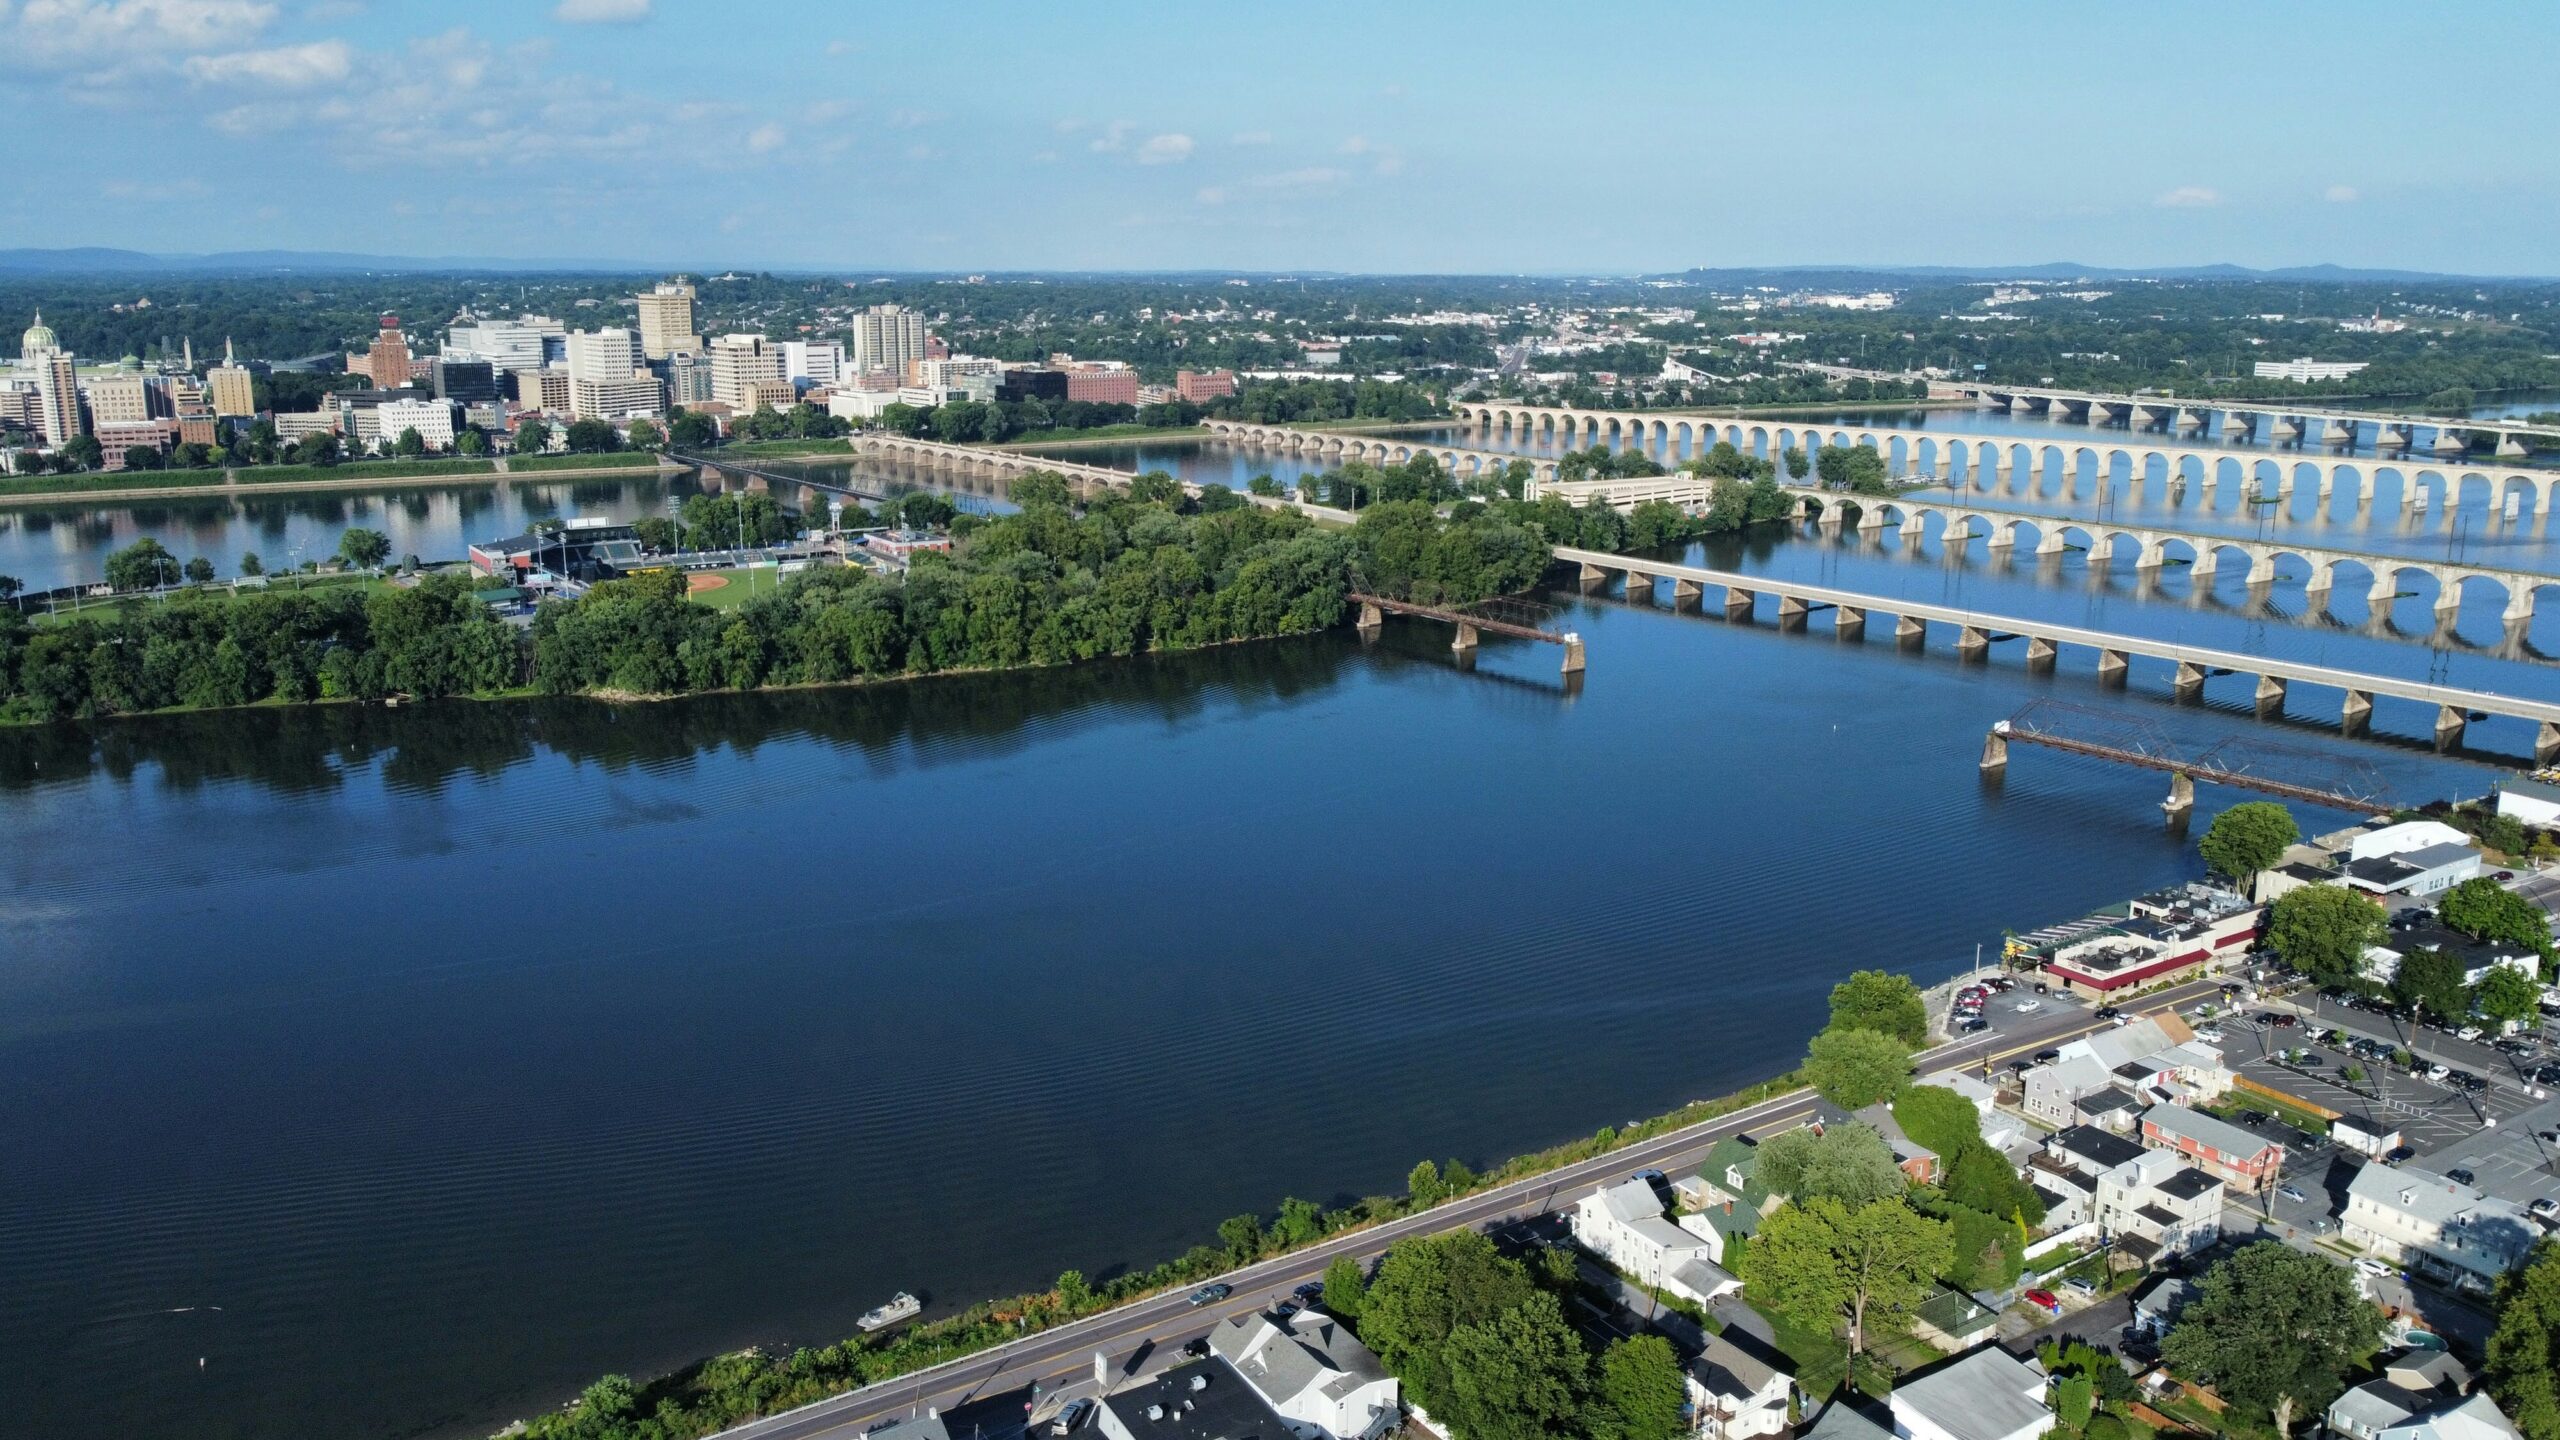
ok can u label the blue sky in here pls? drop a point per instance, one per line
(1376, 136)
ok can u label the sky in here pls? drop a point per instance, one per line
(1412, 137)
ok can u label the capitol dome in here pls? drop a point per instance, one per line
(38, 341)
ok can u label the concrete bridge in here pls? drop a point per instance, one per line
(1338, 447)
(2282, 420)
(2152, 547)
(1976, 632)
(979, 461)
(2511, 490)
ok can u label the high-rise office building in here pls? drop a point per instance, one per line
(465, 382)
(603, 355)
(666, 321)
(887, 339)
(738, 361)
(528, 342)
(58, 396)
(813, 362)
(688, 377)
(388, 361)
(235, 390)
(120, 400)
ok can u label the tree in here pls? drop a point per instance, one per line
(82, 452)
(1824, 1265)
(471, 442)
(1155, 487)
(1886, 1003)
(1799, 464)
(1242, 1235)
(1345, 1288)
(250, 564)
(2523, 1370)
(692, 432)
(1074, 1291)
(410, 445)
(1937, 1117)
(2486, 910)
(199, 571)
(364, 548)
(1522, 1375)
(2324, 930)
(1425, 1186)
(818, 513)
(1982, 1179)
(532, 438)
(2072, 1400)
(2274, 1328)
(1848, 1163)
(1428, 1288)
(2432, 981)
(2248, 837)
(645, 434)
(593, 436)
(1640, 1389)
(1856, 1068)
(2507, 995)
(143, 565)
(1040, 487)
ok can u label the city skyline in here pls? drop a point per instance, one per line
(1421, 140)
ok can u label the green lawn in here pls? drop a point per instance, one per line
(611, 459)
(360, 471)
(117, 606)
(743, 585)
(121, 480)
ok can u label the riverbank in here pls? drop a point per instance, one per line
(304, 479)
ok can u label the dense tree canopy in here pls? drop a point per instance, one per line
(1824, 1265)
(2248, 837)
(2324, 930)
(1848, 1163)
(2486, 910)
(2523, 1372)
(1855, 1068)
(2276, 1329)
(1881, 1001)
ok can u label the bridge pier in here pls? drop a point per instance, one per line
(1593, 577)
(1848, 620)
(1791, 612)
(2112, 666)
(2262, 570)
(2270, 696)
(1465, 639)
(1573, 655)
(2190, 681)
(2519, 604)
(1972, 642)
(2182, 795)
(2386, 588)
(1371, 620)
(1995, 750)
(1639, 588)
(2450, 723)
(1686, 592)
(2206, 564)
(2358, 714)
(1738, 602)
(2546, 742)
(1870, 518)
(2051, 544)
(2040, 653)
(1909, 630)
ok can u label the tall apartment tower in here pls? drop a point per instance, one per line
(234, 390)
(666, 321)
(388, 361)
(741, 361)
(58, 397)
(887, 339)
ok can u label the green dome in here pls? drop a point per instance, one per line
(39, 340)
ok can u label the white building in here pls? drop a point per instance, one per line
(738, 362)
(602, 355)
(888, 339)
(527, 342)
(2306, 369)
(1985, 1394)
(954, 372)
(1624, 1225)
(2436, 1225)
(1738, 1388)
(813, 362)
(432, 419)
(2419, 1396)
(859, 404)
(2533, 799)
(1309, 1369)
(2157, 1206)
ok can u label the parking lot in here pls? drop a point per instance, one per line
(2430, 1114)
(2514, 1161)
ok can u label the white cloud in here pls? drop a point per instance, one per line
(600, 12)
(767, 138)
(42, 34)
(825, 111)
(1165, 150)
(1114, 136)
(911, 119)
(2341, 195)
(289, 67)
(2189, 197)
(1252, 137)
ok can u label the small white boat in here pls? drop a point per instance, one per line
(901, 1306)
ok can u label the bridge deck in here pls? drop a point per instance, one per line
(2195, 770)
(2198, 656)
(1460, 617)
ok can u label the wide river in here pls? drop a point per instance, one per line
(392, 1073)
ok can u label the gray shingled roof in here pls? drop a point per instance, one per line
(1987, 1394)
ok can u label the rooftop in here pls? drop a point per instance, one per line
(1204, 1400)
(1984, 1394)
(2180, 1123)
(2096, 1146)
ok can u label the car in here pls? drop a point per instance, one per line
(1309, 1291)
(2544, 1209)
(2437, 1070)
(2283, 1022)
(2460, 1176)
(1197, 1347)
(2078, 1286)
(2294, 1194)
(2367, 1265)
(2047, 1057)
(2548, 1137)
(2001, 983)
(2044, 1298)
(2398, 1153)
(2210, 1034)
(2109, 1012)
(2043, 989)
(2022, 1066)
(1073, 1415)
(2502, 875)
(2468, 1032)
(2029, 1007)
(1973, 1027)
(1211, 1294)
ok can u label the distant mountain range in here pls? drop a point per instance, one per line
(104, 260)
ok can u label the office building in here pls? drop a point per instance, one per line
(1202, 386)
(120, 400)
(549, 389)
(688, 377)
(754, 395)
(603, 355)
(1032, 383)
(607, 397)
(528, 342)
(57, 395)
(388, 361)
(948, 373)
(235, 390)
(738, 361)
(813, 362)
(464, 382)
(2306, 369)
(432, 419)
(1103, 385)
(666, 321)
(117, 437)
(887, 339)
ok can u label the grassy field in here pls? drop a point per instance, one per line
(610, 460)
(778, 449)
(736, 586)
(359, 472)
(121, 480)
(118, 606)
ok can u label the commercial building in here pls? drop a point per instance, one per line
(666, 320)
(603, 355)
(813, 362)
(1031, 382)
(1202, 386)
(738, 361)
(2306, 369)
(58, 396)
(388, 361)
(2163, 936)
(955, 371)
(527, 342)
(432, 419)
(120, 400)
(234, 389)
(1203, 1400)
(1103, 385)
(634, 395)
(888, 339)
(118, 436)
(688, 377)
(2532, 799)
(754, 395)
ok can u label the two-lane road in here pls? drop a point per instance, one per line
(1146, 1329)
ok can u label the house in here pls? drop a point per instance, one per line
(2154, 1059)
(1313, 1372)
(1843, 1420)
(2090, 1152)
(1985, 1394)
(2415, 929)
(2157, 1303)
(1725, 1198)
(2157, 1206)
(1624, 1225)
(1202, 1400)
(1918, 1163)
(2437, 1226)
(2533, 799)
(2418, 1396)
(1952, 1320)
(2248, 1162)
(1739, 1387)
(2111, 1108)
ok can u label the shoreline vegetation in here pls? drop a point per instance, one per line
(716, 1393)
(278, 479)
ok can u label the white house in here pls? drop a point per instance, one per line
(2436, 1225)
(1310, 1370)
(2156, 1205)
(1985, 1394)
(2419, 1396)
(1739, 1388)
(2533, 799)
(1624, 1225)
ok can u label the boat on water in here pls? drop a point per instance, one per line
(901, 1306)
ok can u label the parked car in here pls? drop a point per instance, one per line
(2044, 1298)
(2078, 1286)
(1310, 1291)
(2210, 1034)
(2294, 1194)
(2047, 1057)
(2109, 1012)
(2029, 1007)
(2437, 1070)
(1072, 1416)
(2367, 1265)
(2461, 1176)
(1197, 1347)
(2468, 1032)
(1212, 1294)
(2399, 1153)
(2283, 1022)
(1973, 1027)
(2544, 1209)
